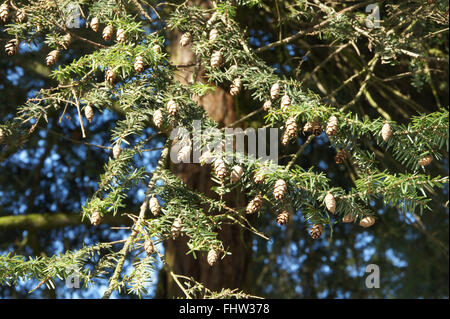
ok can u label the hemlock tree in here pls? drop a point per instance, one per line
(91, 92)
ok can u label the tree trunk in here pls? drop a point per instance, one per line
(234, 270)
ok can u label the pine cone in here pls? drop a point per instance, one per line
(275, 91)
(121, 35)
(89, 113)
(280, 189)
(213, 35)
(386, 132)
(283, 218)
(4, 12)
(330, 202)
(212, 257)
(267, 105)
(158, 118)
(21, 16)
(12, 47)
(184, 154)
(139, 64)
(316, 231)
(149, 247)
(236, 87)
(185, 39)
(2, 135)
(66, 40)
(157, 48)
(95, 24)
(110, 76)
(220, 169)
(259, 177)
(176, 228)
(155, 208)
(290, 130)
(96, 218)
(116, 150)
(236, 174)
(52, 57)
(341, 156)
(313, 127)
(285, 102)
(425, 161)
(348, 218)
(108, 32)
(332, 126)
(206, 158)
(254, 205)
(172, 107)
(216, 59)
(367, 221)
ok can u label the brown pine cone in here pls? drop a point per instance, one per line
(110, 76)
(116, 150)
(94, 24)
(279, 189)
(155, 208)
(213, 35)
(283, 218)
(275, 91)
(235, 87)
(341, 156)
(367, 221)
(172, 107)
(96, 218)
(267, 105)
(4, 12)
(348, 218)
(12, 47)
(285, 102)
(158, 118)
(316, 231)
(220, 169)
(186, 38)
(52, 57)
(139, 64)
(386, 132)
(330, 202)
(176, 228)
(254, 205)
(108, 32)
(121, 35)
(213, 256)
(89, 113)
(290, 131)
(21, 16)
(425, 161)
(332, 126)
(216, 59)
(149, 247)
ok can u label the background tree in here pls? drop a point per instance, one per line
(90, 91)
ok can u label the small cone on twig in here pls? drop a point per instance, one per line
(139, 64)
(316, 231)
(158, 118)
(149, 247)
(66, 41)
(280, 189)
(236, 87)
(121, 35)
(212, 257)
(176, 228)
(216, 59)
(254, 205)
(313, 127)
(185, 39)
(157, 48)
(425, 161)
(89, 113)
(20, 16)
(332, 126)
(386, 132)
(275, 91)
(52, 57)
(220, 169)
(236, 173)
(330, 202)
(96, 218)
(116, 150)
(2, 135)
(259, 177)
(110, 76)
(213, 35)
(283, 218)
(155, 208)
(348, 218)
(108, 32)
(267, 105)
(4, 12)
(367, 221)
(341, 156)
(285, 102)
(172, 107)
(94, 24)
(290, 131)
(206, 158)
(12, 47)
(184, 154)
